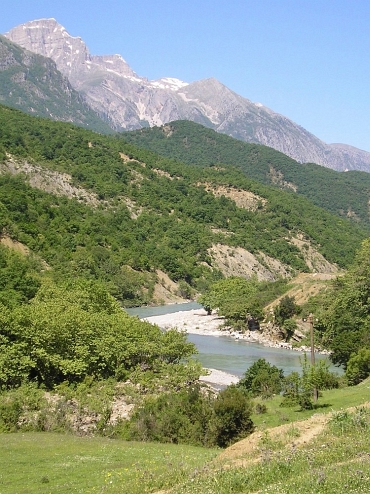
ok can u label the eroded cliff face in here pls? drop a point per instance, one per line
(128, 101)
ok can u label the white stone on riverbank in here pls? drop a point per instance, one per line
(197, 321)
(219, 377)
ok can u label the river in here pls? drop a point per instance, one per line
(227, 354)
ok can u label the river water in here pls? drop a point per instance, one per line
(228, 354)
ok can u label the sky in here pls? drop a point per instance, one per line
(306, 59)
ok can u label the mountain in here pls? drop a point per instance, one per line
(345, 194)
(128, 101)
(33, 84)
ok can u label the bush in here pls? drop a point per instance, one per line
(262, 379)
(233, 410)
(358, 366)
(19, 409)
(192, 416)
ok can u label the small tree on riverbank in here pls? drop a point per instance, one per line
(262, 379)
(299, 389)
(233, 298)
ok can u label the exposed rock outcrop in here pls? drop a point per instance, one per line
(128, 101)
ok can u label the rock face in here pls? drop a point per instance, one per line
(128, 101)
(33, 84)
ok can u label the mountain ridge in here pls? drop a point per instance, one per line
(128, 101)
(344, 194)
(102, 208)
(33, 84)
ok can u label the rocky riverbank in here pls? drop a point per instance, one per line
(197, 321)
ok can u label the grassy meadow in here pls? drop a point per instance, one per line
(37, 463)
(325, 450)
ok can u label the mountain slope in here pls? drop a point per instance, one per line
(129, 101)
(97, 207)
(33, 84)
(344, 194)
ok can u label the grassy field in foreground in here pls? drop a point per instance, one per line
(334, 461)
(55, 463)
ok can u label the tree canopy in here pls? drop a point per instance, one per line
(344, 321)
(76, 330)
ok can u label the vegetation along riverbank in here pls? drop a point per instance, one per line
(93, 400)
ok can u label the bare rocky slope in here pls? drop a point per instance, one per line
(128, 101)
(32, 83)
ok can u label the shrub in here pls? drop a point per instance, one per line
(358, 366)
(262, 379)
(192, 416)
(232, 410)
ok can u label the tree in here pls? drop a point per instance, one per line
(233, 298)
(299, 389)
(289, 327)
(232, 416)
(285, 310)
(346, 318)
(262, 379)
(358, 366)
(76, 330)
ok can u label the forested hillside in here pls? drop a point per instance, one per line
(127, 212)
(345, 194)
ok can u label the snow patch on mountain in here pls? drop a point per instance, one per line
(169, 83)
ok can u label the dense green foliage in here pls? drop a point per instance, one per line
(262, 379)
(344, 317)
(283, 313)
(19, 277)
(33, 84)
(236, 299)
(193, 416)
(233, 298)
(358, 366)
(150, 212)
(286, 309)
(68, 333)
(344, 194)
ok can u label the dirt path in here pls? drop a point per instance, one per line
(294, 434)
(250, 449)
(253, 449)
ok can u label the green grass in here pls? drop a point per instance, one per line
(333, 399)
(335, 462)
(55, 463)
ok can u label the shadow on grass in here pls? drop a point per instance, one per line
(322, 405)
(316, 406)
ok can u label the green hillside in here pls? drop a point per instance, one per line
(146, 212)
(345, 194)
(83, 215)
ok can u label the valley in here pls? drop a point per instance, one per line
(118, 195)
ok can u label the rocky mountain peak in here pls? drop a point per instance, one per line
(169, 83)
(128, 101)
(49, 38)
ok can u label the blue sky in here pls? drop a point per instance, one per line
(306, 59)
